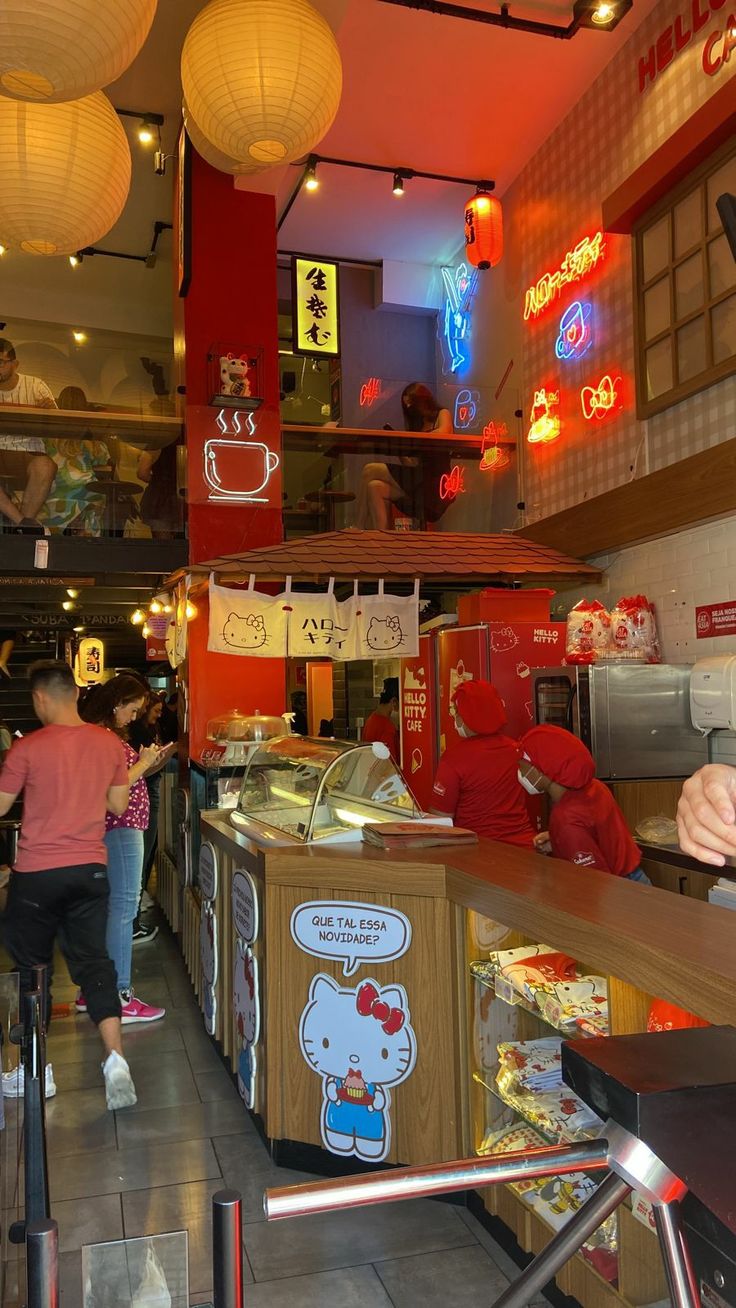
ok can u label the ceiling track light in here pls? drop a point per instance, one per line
(583, 16)
(311, 180)
(398, 186)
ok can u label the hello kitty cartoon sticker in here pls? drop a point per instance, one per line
(246, 992)
(350, 932)
(360, 1041)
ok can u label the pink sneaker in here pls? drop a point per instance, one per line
(134, 1010)
(80, 1003)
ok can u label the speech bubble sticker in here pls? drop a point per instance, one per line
(245, 906)
(352, 932)
(208, 870)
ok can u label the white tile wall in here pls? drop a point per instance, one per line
(677, 573)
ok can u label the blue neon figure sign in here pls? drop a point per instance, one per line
(460, 285)
(576, 333)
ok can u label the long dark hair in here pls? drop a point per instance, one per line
(99, 706)
(419, 407)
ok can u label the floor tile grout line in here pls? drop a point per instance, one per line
(376, 1268)
(346, 1267)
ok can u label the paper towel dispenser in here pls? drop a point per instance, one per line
(713, 693)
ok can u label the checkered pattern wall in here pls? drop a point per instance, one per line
(555, 201)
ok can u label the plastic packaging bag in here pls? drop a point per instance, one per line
(588, 632)
(634, 630)
(153, 1292)
(659, 830)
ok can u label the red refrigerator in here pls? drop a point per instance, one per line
(502, 652)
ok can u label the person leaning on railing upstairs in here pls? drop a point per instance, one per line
(24, 458)
(411, 482)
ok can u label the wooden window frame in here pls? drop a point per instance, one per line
(715, 372)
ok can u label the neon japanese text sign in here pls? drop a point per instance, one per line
(238, 471)
(545, 424)
(369, 392)
(576, 334)
(454, 328)
(452, 483)
(598, 401)
(576, 265)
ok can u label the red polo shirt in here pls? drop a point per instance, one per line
(477, 783)
(587, 827)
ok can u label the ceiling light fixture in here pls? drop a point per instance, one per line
(137, 617)
(79, 337)
(72, 593)
(76, 259)
(149, 131)
(603, 14)
(311, 180)
(68, 606)
(398, 187)
(78, 629)
(2, 249)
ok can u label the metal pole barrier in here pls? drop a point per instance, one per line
(227, 1249)
(610, 1193)
(442, 1178)
(681, 1279)
(42, 1264)
(34, 1117)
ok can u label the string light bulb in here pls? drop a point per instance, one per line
(68, 606)
(72, 593)
(2, 250)
(168, 608)
(191, 610)
(145, 631)
(311, 180)
(146, 134)
(79, 337)
(137, 617)
(155, 606)
(398, 187)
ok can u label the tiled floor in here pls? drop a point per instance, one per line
(155, 1167)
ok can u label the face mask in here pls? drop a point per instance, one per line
(528, 785)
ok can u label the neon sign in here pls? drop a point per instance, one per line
(576, 333)
(452, 483)
(598, 401)
(576, 264)
(492, 457)
(545, 424)
(466, 408)
(460, 286)
(370, 391)
(238, 471)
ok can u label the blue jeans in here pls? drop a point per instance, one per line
(124, 871)
(638, 875)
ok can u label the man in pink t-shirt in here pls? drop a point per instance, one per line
(70, 773)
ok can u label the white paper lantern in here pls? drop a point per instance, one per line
(212, 156)
(262, 78)
(54, 50)
(65, 171)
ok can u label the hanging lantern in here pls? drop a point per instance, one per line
(483, 230)
(65, 172)
(212, 156)
(53, 50)
(261, 78)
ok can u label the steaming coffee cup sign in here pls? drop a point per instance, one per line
(238, 471)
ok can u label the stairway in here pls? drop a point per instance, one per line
(16, 706)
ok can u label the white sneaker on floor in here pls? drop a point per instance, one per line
(119, 1088)
(14, 1083)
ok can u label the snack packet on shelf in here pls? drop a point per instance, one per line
(634, 631)
(569, 1001)
(588, 635)
(529, 1065)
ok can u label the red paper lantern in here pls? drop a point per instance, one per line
(483, 231)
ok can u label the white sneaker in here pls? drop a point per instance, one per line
(14, 1083)
(119, 1088)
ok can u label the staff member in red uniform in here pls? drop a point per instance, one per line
(477, 779)
(381, 725)
(586, 825)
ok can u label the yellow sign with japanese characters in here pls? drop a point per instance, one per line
(315, 307)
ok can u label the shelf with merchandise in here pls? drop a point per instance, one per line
(520, 1104)
(494, 980)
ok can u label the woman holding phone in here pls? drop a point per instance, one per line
(115, 705)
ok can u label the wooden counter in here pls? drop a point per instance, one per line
(459, 904)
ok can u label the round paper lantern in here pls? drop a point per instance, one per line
(262, 78)
(210, 154)
(65, 172)
(54, 50)
(483, 231)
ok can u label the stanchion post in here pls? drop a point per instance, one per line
(227, 1249)
(42, 1264)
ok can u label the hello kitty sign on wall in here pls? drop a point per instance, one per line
(245, 622)
(360, 1041)
(247, 1013)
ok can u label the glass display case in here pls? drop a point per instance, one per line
(231, 739)
(527, 998)
(321, 790)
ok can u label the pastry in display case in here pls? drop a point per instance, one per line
(306, 790)
(528, 998)
(231, 740)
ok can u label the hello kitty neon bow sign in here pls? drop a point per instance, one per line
(598, 401)
(452, 483)
(369, 1004)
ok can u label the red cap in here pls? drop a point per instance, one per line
(560, 756)
(480, 706)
